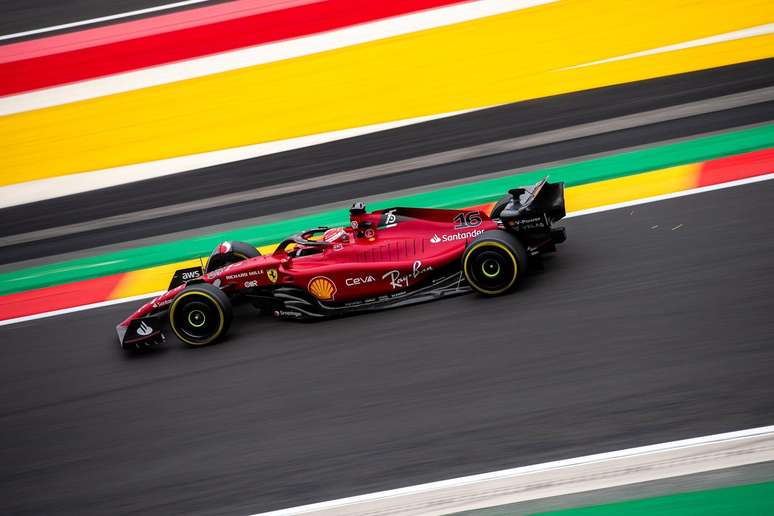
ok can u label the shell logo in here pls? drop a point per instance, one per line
(322, 288)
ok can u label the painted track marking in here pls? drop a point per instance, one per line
(760, 30)
(261, 54)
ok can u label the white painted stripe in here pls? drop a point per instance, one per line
(760, 30)
(81, 308)
(101, 19)
(42, 189)
(555, 478)
(579, 213)
(262, 54)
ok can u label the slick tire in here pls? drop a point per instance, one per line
(494, 262)
(200, 314)
(239, 251)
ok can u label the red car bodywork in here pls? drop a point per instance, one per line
(379, 259)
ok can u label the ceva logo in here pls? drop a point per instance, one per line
(435, 239)
(360, 280)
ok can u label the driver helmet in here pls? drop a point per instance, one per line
(335, 235)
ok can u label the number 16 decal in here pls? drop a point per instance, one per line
(467, 219)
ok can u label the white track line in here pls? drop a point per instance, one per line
(622, 467)
(81, 308)
(760, 30)
(262, 54)
(101, 19)
(579, 213)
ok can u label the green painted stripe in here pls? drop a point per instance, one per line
(748, 500)
(470, 194)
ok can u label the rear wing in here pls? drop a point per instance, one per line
(533, 207)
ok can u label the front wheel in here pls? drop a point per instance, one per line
(494, 262)
(200, 314)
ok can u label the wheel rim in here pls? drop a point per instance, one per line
(491, 268)
(196, 319)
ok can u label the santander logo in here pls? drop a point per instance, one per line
(456, 236)
(144, 329)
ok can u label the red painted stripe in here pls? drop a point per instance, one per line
(57, 297)
(737, 167)
(179, 44)
(140, 28)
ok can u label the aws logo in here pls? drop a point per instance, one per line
(322, 288)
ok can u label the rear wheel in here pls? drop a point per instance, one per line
(230, 252)
(200, 314)
(494, 262)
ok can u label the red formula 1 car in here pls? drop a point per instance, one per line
(384, 259)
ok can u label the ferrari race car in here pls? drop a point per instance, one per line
(388, 258)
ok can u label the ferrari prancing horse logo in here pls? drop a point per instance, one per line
(272, 275)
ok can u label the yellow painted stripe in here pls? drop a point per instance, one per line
(494, 60)
(153, 279)
(629, 188)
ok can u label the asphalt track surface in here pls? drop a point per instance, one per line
(520, 119)
(634, 333)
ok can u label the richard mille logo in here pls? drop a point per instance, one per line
(144, 329)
